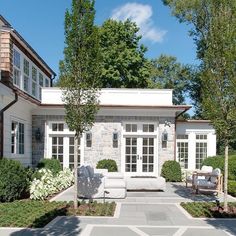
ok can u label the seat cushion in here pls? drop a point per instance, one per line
(115, 183)
(205, 183)
(114, 175)
(158, 183)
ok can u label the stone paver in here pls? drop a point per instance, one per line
(141, 214)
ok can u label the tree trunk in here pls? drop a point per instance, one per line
(76, 173)
(226, 177)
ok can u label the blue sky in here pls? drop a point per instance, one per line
(41, 23)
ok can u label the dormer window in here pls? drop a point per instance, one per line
(34, 81)
(16, 68)
(26, 67)
(26, 75)
(46, 82)
(16, 59)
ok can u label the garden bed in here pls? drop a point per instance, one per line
(37, 214)
(209, 209)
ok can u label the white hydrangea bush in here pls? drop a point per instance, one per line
(48, 184)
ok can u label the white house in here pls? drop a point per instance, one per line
(138, 128)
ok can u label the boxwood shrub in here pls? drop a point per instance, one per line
(107, 164)
(13, 180)
(171, 171)
(52, 164)
(218, 162)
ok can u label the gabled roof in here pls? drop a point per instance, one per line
(8, 25)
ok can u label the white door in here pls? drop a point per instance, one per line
(140, 156)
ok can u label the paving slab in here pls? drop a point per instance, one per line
(141, 213)
(113, 231)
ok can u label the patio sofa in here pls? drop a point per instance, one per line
(99, 183)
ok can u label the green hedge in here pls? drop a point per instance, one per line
(232, 187)
(13, 180)
(107, 164)
(218, 162)
(52, 164)
(171, 171)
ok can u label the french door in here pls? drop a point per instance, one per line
(140, 155)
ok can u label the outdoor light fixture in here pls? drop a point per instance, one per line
(115, 136)
(38, 134)
(88, 136)
(164, 136)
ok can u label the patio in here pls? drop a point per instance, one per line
(140, 214)
(174, 193)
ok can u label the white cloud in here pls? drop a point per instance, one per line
(141, 14)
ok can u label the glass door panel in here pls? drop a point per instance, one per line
(147, 155)
(131, 154)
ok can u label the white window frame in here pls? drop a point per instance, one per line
(17, 67)
(66, 134)
(140, 134)
(198, 141)
(182, 140)
(16, 134)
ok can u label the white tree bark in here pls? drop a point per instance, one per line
(76, 173)
(226, 178)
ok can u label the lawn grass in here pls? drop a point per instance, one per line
(36, 214)
(209, 209)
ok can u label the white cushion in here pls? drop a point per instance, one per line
(215, 172)
(101, 171)
(114, 175)
(158, 183)
(114, 183)
(205, 183)
(207, 168)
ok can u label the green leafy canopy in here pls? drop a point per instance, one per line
(80, 69)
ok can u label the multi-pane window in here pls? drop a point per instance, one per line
(34, 81)
(26, 67)
(16, 58)
(71, 152)
(40, 85)
(57, 127)
(16, 68)
(26, 83)
(17, 138)
(201, 149)
(34, 88)
(148, 128)
(131, 154)
(131, 127)
(57, 148)
(16, 77)
(46, 82)
(40, 79)
(148, 155)
(182, 150)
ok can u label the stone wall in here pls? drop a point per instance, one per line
(38, 146)
(168, 153)
(102, 143)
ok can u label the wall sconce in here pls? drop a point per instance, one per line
(115, 136)
(38, 134)
(115, 139)
(164, 136)
(88, 136)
